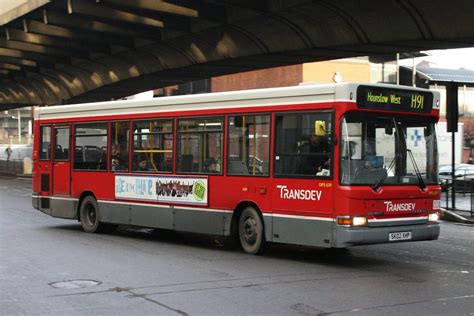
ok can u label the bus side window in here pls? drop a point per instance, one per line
(248, 145)
(200, 145)
(90, 146)
(153, 146)
(45, 144)
(302, 145)
(119, 144)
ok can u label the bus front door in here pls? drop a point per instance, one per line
(61, 161)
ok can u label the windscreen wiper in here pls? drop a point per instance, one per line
(379, 183)
(421, 183)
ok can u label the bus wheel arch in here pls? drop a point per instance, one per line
(79, 203)
(248, 227)
(88, 213)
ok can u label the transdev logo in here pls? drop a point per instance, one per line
(399, 207)
(298, 194)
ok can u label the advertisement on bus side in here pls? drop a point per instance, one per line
(162, 189)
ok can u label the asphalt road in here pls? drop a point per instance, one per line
(140, 272)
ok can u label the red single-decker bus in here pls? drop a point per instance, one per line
(331, 165)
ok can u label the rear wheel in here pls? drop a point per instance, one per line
(89, 216)
(251, 232)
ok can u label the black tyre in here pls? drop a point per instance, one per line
(251, 232)
(89, 216)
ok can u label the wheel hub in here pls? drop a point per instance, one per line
(250, 231)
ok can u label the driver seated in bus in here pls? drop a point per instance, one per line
(324, 169)
(318, 162)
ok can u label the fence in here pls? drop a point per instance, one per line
(11, 167)
(463, 190)
(20, 159)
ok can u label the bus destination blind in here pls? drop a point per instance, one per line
(394, 99)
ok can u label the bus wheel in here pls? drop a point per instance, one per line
(251, 232)
(89, 215)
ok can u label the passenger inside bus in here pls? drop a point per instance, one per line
(115, 157)
(211, 165)
(318, 162)
(142, 164)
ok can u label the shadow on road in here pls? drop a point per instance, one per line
(305, 254)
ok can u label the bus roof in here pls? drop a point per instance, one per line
(305, 93)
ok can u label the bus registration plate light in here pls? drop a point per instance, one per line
(399, 236)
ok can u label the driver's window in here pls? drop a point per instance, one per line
(303, 146)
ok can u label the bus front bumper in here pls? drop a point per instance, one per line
(351, 236)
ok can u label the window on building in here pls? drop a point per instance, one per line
(249, 145)
(90, 146)
(45, 144)
(153, 146)
(200, 145)
(302, 144)
(119, 144)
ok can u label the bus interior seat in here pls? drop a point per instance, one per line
(186, 162)
(92, 153)
(79, 154)
(58, 152)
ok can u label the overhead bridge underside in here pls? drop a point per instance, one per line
(70, 51)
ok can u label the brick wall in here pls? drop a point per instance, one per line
(264, 78)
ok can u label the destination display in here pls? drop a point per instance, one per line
(393, 99)
(170, 189)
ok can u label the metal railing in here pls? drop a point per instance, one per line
(11, 166)
(463, 190)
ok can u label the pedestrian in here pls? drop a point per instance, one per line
(9, 152)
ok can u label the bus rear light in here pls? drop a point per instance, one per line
(352, 220)
(433, 217)
(436, 205)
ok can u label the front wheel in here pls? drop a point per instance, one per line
(89, 216)
(251, 232)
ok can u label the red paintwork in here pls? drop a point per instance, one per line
(226, 192)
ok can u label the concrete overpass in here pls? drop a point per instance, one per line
(69, 51)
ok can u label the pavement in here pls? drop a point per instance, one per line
(456, 216)
(461, 213)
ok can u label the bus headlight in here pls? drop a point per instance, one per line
(352, 221)
(433, 217)
(359, 221)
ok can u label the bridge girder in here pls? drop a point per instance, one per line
(71, 51)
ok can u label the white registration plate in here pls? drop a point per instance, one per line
(399, 236)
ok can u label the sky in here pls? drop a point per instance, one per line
(447, 58)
